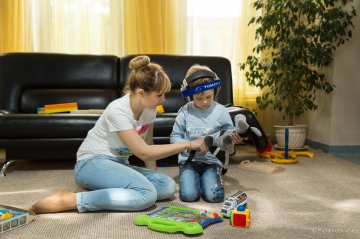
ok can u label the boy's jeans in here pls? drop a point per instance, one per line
(115, 185)
(197, 178)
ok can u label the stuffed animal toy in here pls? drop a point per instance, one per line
(242, 127)
(225, 143)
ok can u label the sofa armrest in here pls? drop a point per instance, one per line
(6, 112)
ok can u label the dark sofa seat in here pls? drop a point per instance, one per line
(31, 80)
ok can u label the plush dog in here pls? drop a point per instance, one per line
(242, 127)
(225, 143)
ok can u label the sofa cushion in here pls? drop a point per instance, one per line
(34, 126)
(20, 72)
(164, 124)
(31, 99)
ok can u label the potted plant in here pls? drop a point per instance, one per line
(297, 40)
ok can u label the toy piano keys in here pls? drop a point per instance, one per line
(175, 219)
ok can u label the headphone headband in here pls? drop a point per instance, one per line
(200, 74)
(200, 88)
(187, 91)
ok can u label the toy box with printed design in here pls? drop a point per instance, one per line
(11, 218)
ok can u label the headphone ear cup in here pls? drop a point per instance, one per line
(216, 90)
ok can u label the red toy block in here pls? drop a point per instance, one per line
(240, 217)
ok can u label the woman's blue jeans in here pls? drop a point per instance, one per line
(197, 178)
(115, 185)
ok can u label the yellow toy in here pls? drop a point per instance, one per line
(5, 214)
(160, 109)
(240, 217)
(278, 156)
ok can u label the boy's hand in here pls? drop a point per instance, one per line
(236, 138)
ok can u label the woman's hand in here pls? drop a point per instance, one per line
(199, 145)
(236, 138)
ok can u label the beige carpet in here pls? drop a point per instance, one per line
(316, 198)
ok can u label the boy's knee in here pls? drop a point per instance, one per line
(214, 199)
(189, 195)
(189, 198)
(214, 196)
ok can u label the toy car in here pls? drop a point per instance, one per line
(230, 203)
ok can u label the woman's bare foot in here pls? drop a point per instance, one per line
(63, 199)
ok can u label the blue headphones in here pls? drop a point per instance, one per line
(187, 91)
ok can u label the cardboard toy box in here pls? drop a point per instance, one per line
(12, 217)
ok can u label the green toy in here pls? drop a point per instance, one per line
(176, 219)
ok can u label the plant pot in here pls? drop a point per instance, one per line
(297, 136)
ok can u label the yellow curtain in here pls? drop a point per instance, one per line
(90, 26)
(150, 27)
(220, 28)
(115, 33)
(245, 95)
(65, 26)
(82, 26)
(14, 26)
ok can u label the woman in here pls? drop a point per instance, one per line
(125, 128)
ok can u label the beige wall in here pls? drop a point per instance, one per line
(337, 122)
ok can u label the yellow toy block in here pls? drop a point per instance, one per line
(58, 110)
(160, 109)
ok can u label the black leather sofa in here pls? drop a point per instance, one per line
(31, 80)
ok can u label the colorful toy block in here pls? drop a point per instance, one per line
(240, 217)
(58, 108)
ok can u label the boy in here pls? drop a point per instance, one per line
(200, 117)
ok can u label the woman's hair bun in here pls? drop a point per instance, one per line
(139, 62)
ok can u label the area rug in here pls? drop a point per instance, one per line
(317, 197)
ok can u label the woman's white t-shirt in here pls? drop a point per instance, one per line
(102, 139)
